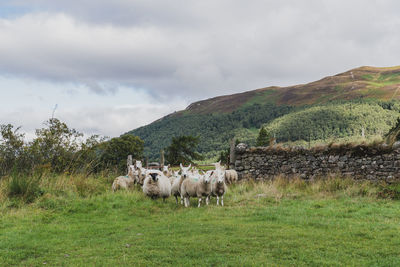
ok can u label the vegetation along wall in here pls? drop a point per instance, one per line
(371, 162)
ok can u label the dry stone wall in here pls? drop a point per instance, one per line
(373, 163)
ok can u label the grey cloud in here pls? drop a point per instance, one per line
(197, 49)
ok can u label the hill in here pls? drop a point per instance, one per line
(343, 105)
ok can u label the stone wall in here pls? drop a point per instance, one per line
(375, 163)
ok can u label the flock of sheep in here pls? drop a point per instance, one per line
(186, 183)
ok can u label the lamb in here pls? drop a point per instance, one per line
(231, 176)
(218, 186)
(156, 185)
(199, 189)
(125, 182)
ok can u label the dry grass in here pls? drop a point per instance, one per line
(56, 186)
(294, 188)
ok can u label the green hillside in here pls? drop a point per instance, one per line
(334, 107)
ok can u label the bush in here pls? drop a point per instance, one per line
(62, 150)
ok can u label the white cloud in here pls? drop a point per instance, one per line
(28, 103)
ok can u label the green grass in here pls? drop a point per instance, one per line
(328, 222)
(262, 97)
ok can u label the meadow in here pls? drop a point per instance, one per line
(78, 221)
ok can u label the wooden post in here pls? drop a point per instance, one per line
(161, 159)
(232, 156)
(129, 161)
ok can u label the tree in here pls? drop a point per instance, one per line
(115, 151)
(263, 138)
(55, 145)
(183, 150)
(394, 134)
(12, 148)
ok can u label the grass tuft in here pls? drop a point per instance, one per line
(26, 188)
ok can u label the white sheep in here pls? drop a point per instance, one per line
(199, 189)
(125, 182)
(176, 185)
(231, 176)
(142, 172)
(218, 186)
(156, 185)
(217, 166)
(138, 164)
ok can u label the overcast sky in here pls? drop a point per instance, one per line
(112, 66)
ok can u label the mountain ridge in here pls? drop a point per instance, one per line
(216, 120)
(287, 93)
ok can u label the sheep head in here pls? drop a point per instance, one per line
(154, 176)
(138, 164)
(207, 177)
(185, 170)
(220, 176)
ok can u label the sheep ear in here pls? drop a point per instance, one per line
(190, 165)
(219, 162)
(180, 164)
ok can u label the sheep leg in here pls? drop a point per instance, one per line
(200, 201)
(222, 200)
(217, 200)
(207, 200)
(176, 198)
(186, 200)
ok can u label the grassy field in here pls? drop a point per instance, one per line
(77, 221)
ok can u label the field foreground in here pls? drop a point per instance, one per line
(332, 222)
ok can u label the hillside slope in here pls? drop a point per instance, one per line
(360, 83)
(372, 92)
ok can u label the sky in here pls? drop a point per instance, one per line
(113, 66)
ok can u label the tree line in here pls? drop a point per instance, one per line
(59, 149)
(334, 119)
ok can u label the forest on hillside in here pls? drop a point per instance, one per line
(287, 123)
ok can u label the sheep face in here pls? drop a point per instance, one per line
(165, 168)
(154, 176)
(176, 174)
(220, 177)
(138, 164)
(185, 171)
(207, 177)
